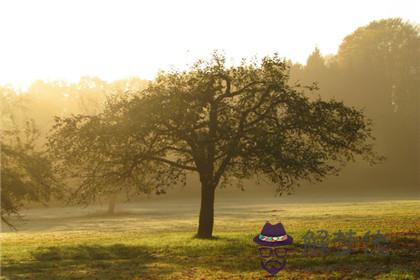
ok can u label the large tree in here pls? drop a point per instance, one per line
(223, 122)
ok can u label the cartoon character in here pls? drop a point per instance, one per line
(273, 242)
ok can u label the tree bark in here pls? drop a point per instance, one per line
(206, 219)
(112, 203)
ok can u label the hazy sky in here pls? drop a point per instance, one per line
(115, 39)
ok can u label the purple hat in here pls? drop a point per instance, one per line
(273, 235)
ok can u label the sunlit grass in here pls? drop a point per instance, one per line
(136, 251)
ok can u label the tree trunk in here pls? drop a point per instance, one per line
(112, 203)
(206, 220)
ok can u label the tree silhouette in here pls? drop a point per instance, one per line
(315, 63)
(225, 123)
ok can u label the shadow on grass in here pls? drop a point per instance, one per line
(117, 261)
(233, 256)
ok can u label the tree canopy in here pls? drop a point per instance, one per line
(223, 122)
(385, 54)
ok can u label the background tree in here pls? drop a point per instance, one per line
(381, 62)
(384, 55)
(225, 123)
(315, 69)
(26, 172)
(377, 67)
(42, 100)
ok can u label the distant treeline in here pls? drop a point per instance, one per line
(43, 100)
(377, 67)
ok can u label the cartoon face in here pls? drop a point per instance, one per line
(273, 259)
(273, 244)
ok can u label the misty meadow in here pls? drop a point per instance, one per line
(193, 172)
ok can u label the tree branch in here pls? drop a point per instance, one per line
(174, 149)
(173, 163)
(239, 91)
(235, 141)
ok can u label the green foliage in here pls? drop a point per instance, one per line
(223, 122)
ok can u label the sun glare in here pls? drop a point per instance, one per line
(114, 39)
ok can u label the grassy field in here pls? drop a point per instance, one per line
(155, 241)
